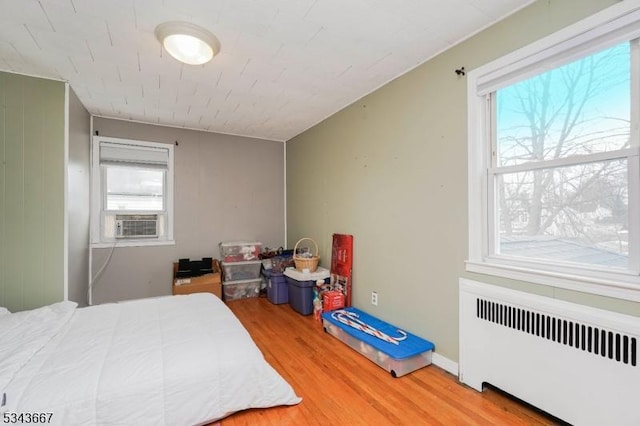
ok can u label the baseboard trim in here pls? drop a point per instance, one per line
(445, 363)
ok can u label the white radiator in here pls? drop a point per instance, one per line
(577, 363)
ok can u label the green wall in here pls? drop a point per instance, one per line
(391, 169)
(78, 200)
(32, 151)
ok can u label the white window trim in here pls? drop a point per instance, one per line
(97, 194)
(615, 24)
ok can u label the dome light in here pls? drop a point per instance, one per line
(187, 42)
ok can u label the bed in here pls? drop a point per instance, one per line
(176, 360)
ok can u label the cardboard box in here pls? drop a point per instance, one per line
(208, 283)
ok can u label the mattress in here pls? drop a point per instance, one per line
(177, 360)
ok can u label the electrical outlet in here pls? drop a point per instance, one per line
(374, 298)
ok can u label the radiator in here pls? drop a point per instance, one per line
(577, 363)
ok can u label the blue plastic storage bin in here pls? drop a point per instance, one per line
(277, 289)
(301, 296)
(301, 288)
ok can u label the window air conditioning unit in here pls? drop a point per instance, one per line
(136, 225)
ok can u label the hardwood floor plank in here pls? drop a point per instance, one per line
(340, 386)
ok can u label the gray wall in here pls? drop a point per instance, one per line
(32, 150)
(391, 169)
(78, 201)
(227, 188)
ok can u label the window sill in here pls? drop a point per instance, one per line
(133, 243)
(628, 289)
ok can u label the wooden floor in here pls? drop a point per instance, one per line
(340, 386)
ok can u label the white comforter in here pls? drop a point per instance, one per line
(177, 360)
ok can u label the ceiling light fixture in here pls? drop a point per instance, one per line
(188, 42)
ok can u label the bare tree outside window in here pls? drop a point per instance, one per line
(574, 210)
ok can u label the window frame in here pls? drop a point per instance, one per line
(616, 24)
(99, 196)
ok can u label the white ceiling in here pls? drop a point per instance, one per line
(284, 66)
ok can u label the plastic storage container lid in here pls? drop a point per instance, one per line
(320, 274)
(255, 280)
(240, 243)
(243, 262)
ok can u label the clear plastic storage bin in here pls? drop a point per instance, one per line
(242, 289)
(234, 271)
(239, 251)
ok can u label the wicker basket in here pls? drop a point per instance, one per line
(310, 263)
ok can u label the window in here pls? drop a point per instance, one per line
(554, 170)
(132, 192)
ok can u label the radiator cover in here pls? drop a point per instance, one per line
(577, 363)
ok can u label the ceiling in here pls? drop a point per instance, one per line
(284, 65)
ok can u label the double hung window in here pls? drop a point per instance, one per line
(132, 191)
(554, 172)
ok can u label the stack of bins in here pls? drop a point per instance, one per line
(240, 269)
